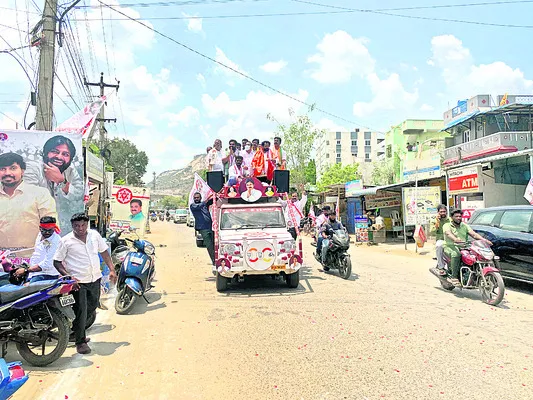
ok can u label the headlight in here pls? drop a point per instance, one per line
(288, 245)
(149, 248)
(229, 248)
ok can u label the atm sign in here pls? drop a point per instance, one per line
(463, 180)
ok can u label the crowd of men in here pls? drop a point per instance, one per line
(246, 159)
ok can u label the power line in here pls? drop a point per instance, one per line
(236, 70)
(7, 116)
(172, 3)
(105, 41)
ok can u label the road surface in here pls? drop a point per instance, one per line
(387, 333)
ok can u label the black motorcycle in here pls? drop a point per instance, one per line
(337, 256)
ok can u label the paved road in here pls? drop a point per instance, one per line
(389, 332)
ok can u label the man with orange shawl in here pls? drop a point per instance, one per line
(263, 163)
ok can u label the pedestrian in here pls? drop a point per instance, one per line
(204, 224)
(77, 257)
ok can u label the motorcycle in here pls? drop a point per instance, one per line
(161, 217)
(135, 275)
(12, 377)
(34, 316)
(153, 218)
(119, 249)
(337, 256)
(169, 218)
(479, 270)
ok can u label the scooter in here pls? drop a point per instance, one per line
(479, 270)
(12, 377)
(136, 274)
(119, 249)
(153, 218)
(161, 217)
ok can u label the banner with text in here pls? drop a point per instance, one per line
(420, 204)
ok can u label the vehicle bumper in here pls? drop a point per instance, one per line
(241, 271)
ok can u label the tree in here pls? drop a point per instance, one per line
(310, 172)
(298, 139)
(387, 171)
(173, 202)
(338, 173)
(128, 163)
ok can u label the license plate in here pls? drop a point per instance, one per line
(136, 260)
(277, 267)
(67, 300)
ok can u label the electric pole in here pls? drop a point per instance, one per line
(102, 85)
(45, 88)
(154, 180)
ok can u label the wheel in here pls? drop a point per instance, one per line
(293, 280)
(494, 291)
(446, 285)
(222, 283)
(58, 333)
(345, 267)
(125, 300)
(90, 320)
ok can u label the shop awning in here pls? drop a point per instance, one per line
(373, 190)
(527, 152)
(460, 120)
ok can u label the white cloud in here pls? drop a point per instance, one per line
(219, 69)
(330, 126)
(194, 24)
(273, 67)
(465, 79)
(341, 57)
(247, 117)
(389, 94)
(426, 107)
(200, 78)
(185, 117)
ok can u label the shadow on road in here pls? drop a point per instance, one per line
(142, 306)
(100, 328)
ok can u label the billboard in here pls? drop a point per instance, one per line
(420, 204)
(426, 168)
(383, 199)
(41, 174)
(129, 207)
(464, 180)
(353, 187)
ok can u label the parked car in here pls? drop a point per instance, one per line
(510, 229)
(190, 219)
(180, 217)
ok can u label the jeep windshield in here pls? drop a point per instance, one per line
(252, 218)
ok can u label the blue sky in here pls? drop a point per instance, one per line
(370, 69)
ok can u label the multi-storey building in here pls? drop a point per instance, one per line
(357, 146)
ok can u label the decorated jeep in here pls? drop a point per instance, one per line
(251, 234)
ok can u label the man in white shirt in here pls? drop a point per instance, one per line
(215, 158)
(247, 157)
(322, 219)
(77, 256)
(41, 266)
(236, 172)
(298, 210)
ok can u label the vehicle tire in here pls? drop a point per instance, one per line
(345, 267)
(222, 283)
(293, 280)
(125, 300)
(446, 285)
(59, 322)
(488, 295)
(199, 243)
(90, 320)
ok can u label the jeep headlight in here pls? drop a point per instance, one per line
(228, 248)
(288, 245)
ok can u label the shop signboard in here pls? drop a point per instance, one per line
(94, 167)
(361, 221)
(383, 199)
(420, 204)
(352, 187)
(469, 206)
(421, 169)
(464, 180)
(46, 169)
(129, 207)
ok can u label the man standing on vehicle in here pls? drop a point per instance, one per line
(77, 256)
(278, 154)
(236, 172)
(456, 232)
(215, 158)
(247, 157)
(440, 220)
(298, 210)
(326, 232)
(204, 224)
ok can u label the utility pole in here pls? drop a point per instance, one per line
(45, 88)
(102, 85)
(154, 180)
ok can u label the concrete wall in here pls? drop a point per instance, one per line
(499, 194)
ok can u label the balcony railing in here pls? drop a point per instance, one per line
(497, 143)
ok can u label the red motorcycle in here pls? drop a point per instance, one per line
(479, 270)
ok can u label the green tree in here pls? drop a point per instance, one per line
(173, 202)
(310, 172)
(298, 139)
(338, 173)
(387, 172)
(128, 163)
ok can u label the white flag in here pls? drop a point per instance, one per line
(83, 121)
(201, 187)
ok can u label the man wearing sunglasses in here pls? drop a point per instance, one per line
(41, 266)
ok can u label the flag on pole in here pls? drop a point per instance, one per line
(201, 187)
(84, 120)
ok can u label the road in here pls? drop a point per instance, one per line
(388, 332)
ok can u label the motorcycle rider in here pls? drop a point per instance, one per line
(456, 232)
(326, 232)
(440, 220)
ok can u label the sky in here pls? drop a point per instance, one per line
(366, 70)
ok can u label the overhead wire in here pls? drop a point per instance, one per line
(244, 75)
(174, 3)
(104, 39)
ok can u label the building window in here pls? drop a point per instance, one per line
(466, 136)
(338, 142)
(368, 135)
(337, 135)
(338, 155)
(367, 142)
(353, 135)
(338, 160)
(367, 156)
(354, 155)
(327, 155)
(354, 142)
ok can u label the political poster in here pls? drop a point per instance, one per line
(129, 207)
(41, 174)
(420, 204)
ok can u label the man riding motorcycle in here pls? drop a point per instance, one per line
(326, 232)
(456, 232)
(440, 220)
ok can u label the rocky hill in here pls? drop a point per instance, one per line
(179, 181)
